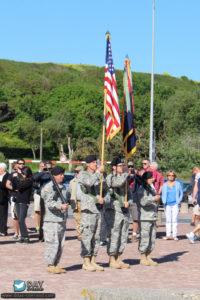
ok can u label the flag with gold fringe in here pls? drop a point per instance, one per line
(128, 127)
(113, 124)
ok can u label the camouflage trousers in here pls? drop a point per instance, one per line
(147, 236)
(77, 217)
(90, 230)
(103, 231)
(54, 236)
(117, 224)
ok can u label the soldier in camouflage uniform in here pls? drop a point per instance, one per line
(117, 214)
(147, 207)
(75, 200)
(90, 212)
(54, 221)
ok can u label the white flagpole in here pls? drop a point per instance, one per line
(152, 143)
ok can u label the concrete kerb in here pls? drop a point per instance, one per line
(137, 294)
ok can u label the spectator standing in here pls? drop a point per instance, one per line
(23, 186)
(159, 180)
(42, 178)
(146, 168)
(4, 196)
(75, 200)
(37, 196)
(12, 197)
(196, 192)
(172, 195)
(20, 165)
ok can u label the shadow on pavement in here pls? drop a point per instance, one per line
(74, 268)
(7, 242)
(170, 257)
(68, 238)
(132, 262)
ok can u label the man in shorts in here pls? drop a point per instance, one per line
(196, 196)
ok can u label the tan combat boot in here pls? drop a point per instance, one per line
(122, 264)
(134, 239)
(60, 269)
(87, 266)
(151, 262)
(143, 260)
(93, 263)
(52, 269)
(113, 263)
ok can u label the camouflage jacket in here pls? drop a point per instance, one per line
(117, 187)
(147, 206)
(74, 193)
(53, 203)
(90, 190)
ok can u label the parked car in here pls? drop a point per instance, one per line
(187, 193)
(67, 178)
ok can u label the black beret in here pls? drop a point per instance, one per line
(90, 158)
(57, 170)
(117, 161)
(147, 175)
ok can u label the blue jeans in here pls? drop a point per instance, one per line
(21, 215)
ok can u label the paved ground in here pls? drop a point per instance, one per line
(178, 269)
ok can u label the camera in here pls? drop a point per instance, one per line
(47, 169)
(132, 171)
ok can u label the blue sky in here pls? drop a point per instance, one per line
(66, 31)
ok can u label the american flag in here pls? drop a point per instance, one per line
(113, 125)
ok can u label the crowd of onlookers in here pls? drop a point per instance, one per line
(22, 186)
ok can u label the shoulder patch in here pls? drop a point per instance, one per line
(46, 190)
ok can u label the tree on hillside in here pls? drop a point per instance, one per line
(56, 129)
(85, 147)
(29, 131)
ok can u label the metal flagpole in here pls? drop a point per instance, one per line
(103, 141)
(151, 142)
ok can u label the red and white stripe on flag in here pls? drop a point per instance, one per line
(113, 124)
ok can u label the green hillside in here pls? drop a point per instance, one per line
(67, 102)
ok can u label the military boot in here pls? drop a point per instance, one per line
(93, 263)
(113, 263)
(151, 262)
(134, 239)
(122, 264)
(52, 269)
(143, 260)
(60, 269)
(87, 266)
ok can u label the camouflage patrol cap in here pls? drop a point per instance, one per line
(90, 158)
(57, 170)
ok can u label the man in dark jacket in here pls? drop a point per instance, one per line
(3, 199)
